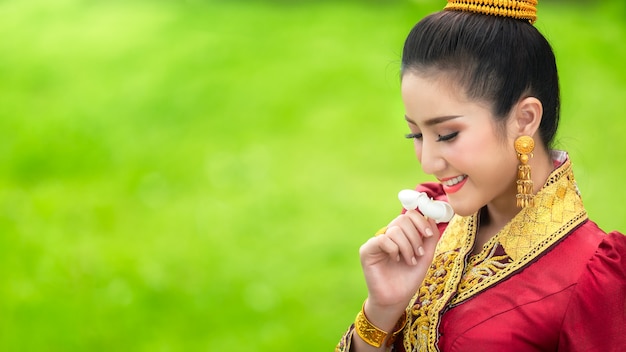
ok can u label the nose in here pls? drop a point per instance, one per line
(430, 157)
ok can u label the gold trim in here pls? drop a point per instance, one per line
(456, 276)
(439, 285)
(558, 210)
(381, 231)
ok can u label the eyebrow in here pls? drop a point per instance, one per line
(433, 121)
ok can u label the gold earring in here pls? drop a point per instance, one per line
(524, 147)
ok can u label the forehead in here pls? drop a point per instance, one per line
(429, 93)
(431, 96)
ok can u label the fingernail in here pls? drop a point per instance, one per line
(414, 261)
(420, 251)
(398, 258)
(429, 232)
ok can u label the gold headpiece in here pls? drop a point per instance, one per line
(520, 9)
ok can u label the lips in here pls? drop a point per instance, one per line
(453, 184)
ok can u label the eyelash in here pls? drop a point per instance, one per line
(446, 138)
(413, 136)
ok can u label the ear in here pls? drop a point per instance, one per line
(527, 116)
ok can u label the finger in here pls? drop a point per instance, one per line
(401, 238)
(427, 227)
(411, 232)
(434, 227)
(430, 245)
(388, 246)
(412, 235)
(414, 225)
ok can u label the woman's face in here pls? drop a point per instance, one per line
(457, 141)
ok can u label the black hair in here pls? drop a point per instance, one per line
(497, 60)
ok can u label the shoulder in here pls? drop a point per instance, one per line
(596, 314)
(582, 243)
(609, 259)
(602, 250)
(589, 249)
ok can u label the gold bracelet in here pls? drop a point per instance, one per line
(398, 328)
(371, 334)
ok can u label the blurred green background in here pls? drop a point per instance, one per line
(198, 175)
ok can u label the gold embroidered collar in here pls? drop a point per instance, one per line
(455, 276)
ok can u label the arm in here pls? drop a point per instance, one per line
(596, 315)
(394, 264)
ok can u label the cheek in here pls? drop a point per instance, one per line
(489, 141)
(476, 149)
(485, 154)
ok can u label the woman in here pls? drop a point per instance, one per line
(520, 267)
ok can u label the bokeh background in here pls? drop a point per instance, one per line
(198, 175)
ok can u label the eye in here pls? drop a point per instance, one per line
(413, 136)
(447, 137)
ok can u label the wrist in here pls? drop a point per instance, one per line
(390, 324)
(384, 315)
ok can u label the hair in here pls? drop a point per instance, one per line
(497, 60)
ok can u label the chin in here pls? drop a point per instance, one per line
(464, 209)
(461, 213)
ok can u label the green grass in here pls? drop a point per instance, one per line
(198, 176)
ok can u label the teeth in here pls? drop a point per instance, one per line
(454, 181)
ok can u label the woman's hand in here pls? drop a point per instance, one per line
(396, 262)
(394, 265)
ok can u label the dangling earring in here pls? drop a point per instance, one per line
(524, 147)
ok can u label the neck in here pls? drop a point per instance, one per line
(499, 212)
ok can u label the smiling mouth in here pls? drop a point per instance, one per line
(454, 184)
(453, 181)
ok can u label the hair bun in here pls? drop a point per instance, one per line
(519, 9)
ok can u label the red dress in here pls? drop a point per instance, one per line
(571, 299)
(551, 280)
